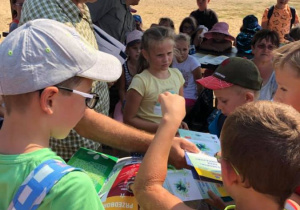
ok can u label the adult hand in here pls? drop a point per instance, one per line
(177, 155)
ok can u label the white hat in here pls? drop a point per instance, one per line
(45, 52)
(133, 36)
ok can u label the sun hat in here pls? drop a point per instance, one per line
(250, 23)
(133, 37)
(45, 52)
(137, 18)
(234, 71)
(220, 27)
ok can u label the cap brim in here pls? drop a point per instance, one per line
(107, 68)
(213, 83)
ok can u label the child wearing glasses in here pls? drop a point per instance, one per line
(45, 84)
(268, 131)
(263, 44)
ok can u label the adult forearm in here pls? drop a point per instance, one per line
(142, 124)
(105, 130)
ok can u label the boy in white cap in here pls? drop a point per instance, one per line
(45, 84)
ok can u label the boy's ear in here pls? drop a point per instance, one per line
(145, 54)
(249, 96)
(46, 99)
(229, 176)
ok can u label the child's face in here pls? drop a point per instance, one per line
(202, 4)
(288, 90)
(262, 50)
(18, 6)
(134, 51)
(218, 37)
(187, 28)
(183, 50)
(230, 98)
(71, 109)
(160, 54)
(281, 3)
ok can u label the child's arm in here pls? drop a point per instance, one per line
(133, 101)
(198, 75)
(264, 21)
(121, 86)
(147, 187)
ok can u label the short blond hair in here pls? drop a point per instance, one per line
(288, 54)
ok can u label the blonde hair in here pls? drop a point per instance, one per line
(241, 90)
(149, 39)
(288, 54)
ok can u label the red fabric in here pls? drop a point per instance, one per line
(297, 191)
(15, 21)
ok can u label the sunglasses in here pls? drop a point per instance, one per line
(263, 46)
(91, 99)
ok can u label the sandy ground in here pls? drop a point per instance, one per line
(230, 11)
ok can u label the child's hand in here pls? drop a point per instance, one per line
(215, 201)
(172, 106)
(184, 125)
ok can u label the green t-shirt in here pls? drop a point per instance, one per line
(74, 191)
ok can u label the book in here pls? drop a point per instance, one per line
(204, 162)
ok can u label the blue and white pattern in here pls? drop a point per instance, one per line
(38, 183)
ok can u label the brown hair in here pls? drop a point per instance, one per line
(262, 141)
(288, 54)
(190, 20)
(21, 102)
(271, 36)
(166, 20)
(150, 38)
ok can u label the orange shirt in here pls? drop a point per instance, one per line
(280, 21)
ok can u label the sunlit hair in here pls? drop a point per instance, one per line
(262, 142)
(150, 38)
(167, 20)
(20, 102)
(288, 54)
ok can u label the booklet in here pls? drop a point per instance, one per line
(204, 163)
(210, 59)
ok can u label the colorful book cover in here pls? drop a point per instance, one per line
(207, 143)
(205, 165)
(97, 165)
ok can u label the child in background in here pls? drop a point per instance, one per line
(138, 22)
(133, 51)
(280, 18)
(218, 38)
(259, 129)
(190, 69)
(167, 22)
(249, 28)
(16, 7)
(188, 26)
(142, 110)
(263, 44)
(294, 34)
(204, 16)
(46, 94)
(235, 82)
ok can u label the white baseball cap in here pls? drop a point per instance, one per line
(45, 52)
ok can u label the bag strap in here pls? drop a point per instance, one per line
(293, 11)
(38, 183)
(270, 13)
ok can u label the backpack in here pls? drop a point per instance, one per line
(293, 11)
(38, 183)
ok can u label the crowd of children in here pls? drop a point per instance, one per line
(258, 118)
